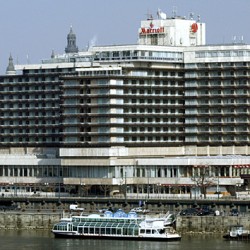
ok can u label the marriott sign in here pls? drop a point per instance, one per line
(145, 31)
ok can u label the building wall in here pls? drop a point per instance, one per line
(137, 110)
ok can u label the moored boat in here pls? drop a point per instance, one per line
(117, 226)
(237, 232)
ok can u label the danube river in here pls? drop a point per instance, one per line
(40, 240)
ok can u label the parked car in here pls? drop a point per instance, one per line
(11, 207)
(74, 207)
(139, 210)
(189, 211)
(205, 210)
(234, 212)
(102, 210)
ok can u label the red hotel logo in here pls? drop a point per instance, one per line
(151, 30)
(194, 27)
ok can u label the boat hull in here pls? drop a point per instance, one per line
(115, 237)
(237, 237)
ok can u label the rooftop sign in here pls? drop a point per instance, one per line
(151, 30)
(194, 27)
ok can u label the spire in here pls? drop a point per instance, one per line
(53, 54)
(10, 68)
(71, 45)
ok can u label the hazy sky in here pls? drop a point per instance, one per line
(35, 27)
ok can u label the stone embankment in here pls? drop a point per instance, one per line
(184, 224)
(20, 220)
(210, 224)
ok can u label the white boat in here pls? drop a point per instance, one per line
(237, 232)
(117, 226)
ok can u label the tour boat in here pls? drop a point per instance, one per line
(237, 232)
(117, 225)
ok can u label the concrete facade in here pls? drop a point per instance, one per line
(151, 118)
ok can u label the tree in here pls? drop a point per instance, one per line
(84, 189)
(202, 179)
(106, 189)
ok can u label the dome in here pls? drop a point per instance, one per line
(71, 45)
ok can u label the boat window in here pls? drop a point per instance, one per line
(118, 226)
(98, 224)
(148, 231)
(87, 224)
(136, 231)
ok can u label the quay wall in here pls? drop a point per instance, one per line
(43, 212)
(184, 224)
(23, 221)
(210, 224)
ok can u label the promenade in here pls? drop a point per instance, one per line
(56, 202)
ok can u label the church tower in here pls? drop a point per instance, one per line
(10, 68)
(71, 46)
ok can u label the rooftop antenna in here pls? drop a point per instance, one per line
(234, 39)
(149, 16)
(28, 59)
(191, 15)
(174, 11)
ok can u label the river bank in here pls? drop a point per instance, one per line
(44, 220)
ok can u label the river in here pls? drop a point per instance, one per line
(41, 240)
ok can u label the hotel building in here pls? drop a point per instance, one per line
(150, 119)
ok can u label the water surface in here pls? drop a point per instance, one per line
(41, 240)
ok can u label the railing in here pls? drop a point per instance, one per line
(144, 196)
(32, 194)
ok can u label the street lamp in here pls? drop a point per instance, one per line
(218, 184)
(46, 188)
(125, 175)
(59, 182)
(236, 189)
(194, 187)
(148, 184)
(13, 184)
(159, 189)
